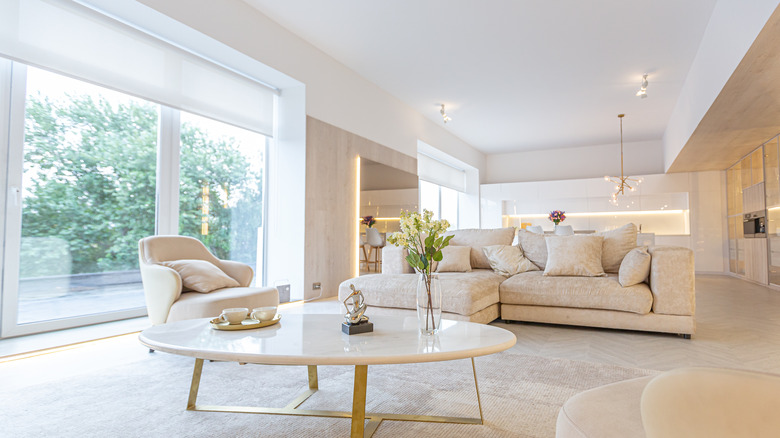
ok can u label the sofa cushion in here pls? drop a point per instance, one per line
(574, 255)
(463, 293)
(534, 247)
(454, 259)
(508, 260)
(477, 238)
(533, 288)
(617, 243)
(200, 275)
(635, 267)
(394, 260)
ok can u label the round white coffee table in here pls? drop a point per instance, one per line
(317, 340)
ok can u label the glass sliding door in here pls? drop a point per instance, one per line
(221, 189)
(84, 185)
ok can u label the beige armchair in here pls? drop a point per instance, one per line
(165, 300)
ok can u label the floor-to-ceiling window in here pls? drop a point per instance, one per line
(441, 187)
(85, 183)
(109, 135)
(221, 188)
(87, 196)
(442, 201)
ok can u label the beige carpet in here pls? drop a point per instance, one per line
(521, 396)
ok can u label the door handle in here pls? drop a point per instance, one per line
(14, 192)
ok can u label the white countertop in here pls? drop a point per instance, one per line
(316, 339)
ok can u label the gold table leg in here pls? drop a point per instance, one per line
(195, 385)
(313, 387)
(358, 414)
(313, 379)
(476, 385)
(359, 401)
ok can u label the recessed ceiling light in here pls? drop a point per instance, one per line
(642, 93)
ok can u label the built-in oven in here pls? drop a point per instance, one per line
(754, 224)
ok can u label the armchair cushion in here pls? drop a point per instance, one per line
(200, 275)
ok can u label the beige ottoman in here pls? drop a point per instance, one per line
(610, 411)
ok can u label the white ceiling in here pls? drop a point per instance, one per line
(515, 75)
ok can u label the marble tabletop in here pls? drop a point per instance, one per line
(316, 339)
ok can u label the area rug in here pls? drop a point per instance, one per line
(521, 396)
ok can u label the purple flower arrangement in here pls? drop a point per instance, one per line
(557, 216)
(368, 220)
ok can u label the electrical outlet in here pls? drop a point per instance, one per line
(284, 292)
(316, 286)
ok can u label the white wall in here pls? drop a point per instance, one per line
(286, 180)
(639, 158)
(334, 93)
(733, 27)
(706, 204)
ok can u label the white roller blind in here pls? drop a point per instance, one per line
(77, 41)
(437, 172)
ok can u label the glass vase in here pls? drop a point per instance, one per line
(428, 304)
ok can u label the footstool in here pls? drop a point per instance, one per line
(609, 411)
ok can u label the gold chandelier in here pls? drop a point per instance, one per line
(623, 182)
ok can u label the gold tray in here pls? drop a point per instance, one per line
(246, 324)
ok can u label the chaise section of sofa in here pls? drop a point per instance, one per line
(467, 296)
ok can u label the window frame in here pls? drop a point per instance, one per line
(13, 84)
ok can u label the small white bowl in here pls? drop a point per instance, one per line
(264, 313)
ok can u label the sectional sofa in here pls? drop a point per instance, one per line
(562, 287)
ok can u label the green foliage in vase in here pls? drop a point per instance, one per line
(423, 237)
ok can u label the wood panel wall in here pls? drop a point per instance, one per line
(753, 198)
(756, 260)
(331, 201)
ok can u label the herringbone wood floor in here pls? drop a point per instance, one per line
(737, 326)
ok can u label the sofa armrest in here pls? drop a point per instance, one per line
(672, 280)
(162, 287)
(394, 260)
(241, 272)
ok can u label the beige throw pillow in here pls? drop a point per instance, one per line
(617, 243)
(455, 259)
(574, 255)
(635, 267)
(508, 260)
(200, 275)
(477, 238)
(533, 246)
